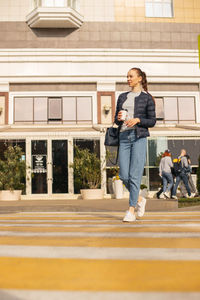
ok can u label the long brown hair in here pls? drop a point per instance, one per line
(144, 80)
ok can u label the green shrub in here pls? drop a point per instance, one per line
(87, 169)
(12, 169)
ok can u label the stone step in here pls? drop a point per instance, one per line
(161, 204)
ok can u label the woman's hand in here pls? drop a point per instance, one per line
(132, 122)
(119, 115)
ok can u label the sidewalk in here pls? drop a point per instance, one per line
(105, 205)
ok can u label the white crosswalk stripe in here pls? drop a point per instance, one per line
(96, 256)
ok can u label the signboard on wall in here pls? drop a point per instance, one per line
(39, 163)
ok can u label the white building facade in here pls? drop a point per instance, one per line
(63, 65)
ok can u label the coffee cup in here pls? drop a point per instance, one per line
(123, 115)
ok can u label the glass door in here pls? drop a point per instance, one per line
(59, 166)
(49, 166)
(39, 166)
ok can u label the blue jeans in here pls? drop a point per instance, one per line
(132, 157)
(181, 176)
(167, 178)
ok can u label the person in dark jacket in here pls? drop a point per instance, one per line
(140, 115)
(182, 175)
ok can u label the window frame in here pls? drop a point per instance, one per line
(162, 94)
(91, 95)
(162, 2)
(178, 121)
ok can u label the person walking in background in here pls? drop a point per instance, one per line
(139, 107)
(190, 180)
(166, 174)
(181, 175)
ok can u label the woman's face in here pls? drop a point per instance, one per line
(133, 79)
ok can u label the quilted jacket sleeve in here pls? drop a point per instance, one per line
(118, 108)
(150, 119)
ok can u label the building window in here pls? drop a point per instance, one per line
(66, 110)
(77, 110)
(159, 8)
(55, 109)
(159, 109)
(23, 110)
(57, 3)
(40, 109)
(53, 3)
(175, 110)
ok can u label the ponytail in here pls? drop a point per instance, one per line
(144, 80)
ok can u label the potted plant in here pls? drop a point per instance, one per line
(117, 183)
(143, 190)
(12, 174)
(87, 173)
(118, 187)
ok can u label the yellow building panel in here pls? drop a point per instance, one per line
(185, 11)
(197, 3)
(178, 4)
(197, 13)
(140, 3)
(188, 4)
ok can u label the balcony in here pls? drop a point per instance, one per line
(55, 14)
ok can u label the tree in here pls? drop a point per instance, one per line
(12, 169)
(87, 169)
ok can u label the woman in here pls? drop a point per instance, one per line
(166, 174)
(140, 107)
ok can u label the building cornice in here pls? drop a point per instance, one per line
(89, 65)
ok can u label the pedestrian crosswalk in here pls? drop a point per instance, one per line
(93, 255)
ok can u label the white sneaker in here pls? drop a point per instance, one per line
(167, 194)
(141, 207)
(191, 196)
(162, 196)
(129, 217)
(174, 197)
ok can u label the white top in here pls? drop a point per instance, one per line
(129, 106)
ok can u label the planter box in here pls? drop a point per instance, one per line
(10, 195)
(143, 193)
(90, 194)
(118, 189)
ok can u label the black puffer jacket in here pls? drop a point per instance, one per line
(144, 109)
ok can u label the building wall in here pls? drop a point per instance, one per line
(185, 11)
(123, 35)
(107, 24)
(93, 61)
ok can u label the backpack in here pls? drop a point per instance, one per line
(177, 168)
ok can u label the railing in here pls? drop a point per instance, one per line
(57, 3)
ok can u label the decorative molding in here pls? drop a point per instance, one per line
(5, 94)
(93, 54)
(54, 17)
(4, 87)
(105, 86)
(105, 66)
(99, 94)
